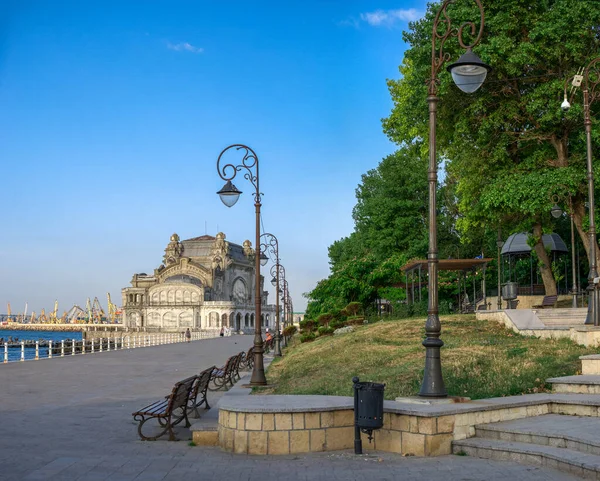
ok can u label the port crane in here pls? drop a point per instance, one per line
(75, 314)
(97, 311)
(113, 311)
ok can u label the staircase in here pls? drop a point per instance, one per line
(561, 317)
(567, 440)
(566, 443)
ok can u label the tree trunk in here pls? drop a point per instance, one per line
(544, 261)
(578, 216)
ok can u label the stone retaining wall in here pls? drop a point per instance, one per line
(266, 428)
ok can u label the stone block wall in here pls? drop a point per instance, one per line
(303, 432)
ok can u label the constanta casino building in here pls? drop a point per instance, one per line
(203, 283)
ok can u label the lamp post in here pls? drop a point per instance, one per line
(270, 245)
(591, 92)
(556, 212)
(499, 244)
(287, 300)
(229, 195)
(282, 291)
(279, 289)
(468, 74)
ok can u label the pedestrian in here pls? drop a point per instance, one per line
(222, 333)
(188, 335)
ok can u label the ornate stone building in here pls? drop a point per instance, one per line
(203, 283)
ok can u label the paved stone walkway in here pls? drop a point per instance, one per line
(69, 419)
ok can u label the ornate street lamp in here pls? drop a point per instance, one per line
(270, 245)
(229, 195)
(591, 92)
(556, 212)
(468, 73)
(278, 282)
(286, 304)
(499, 244)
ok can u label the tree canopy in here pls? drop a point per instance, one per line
(506, 149)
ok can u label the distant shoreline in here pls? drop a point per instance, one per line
(16, 326)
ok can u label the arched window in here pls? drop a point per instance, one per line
(224, 322)
(247, 320)
(213, 319)
(251, 320)
(239, 291)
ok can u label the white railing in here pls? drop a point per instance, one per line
(98, 345)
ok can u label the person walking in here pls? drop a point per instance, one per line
(188, 335)
(222, 333)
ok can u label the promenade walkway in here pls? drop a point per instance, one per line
(69, 419)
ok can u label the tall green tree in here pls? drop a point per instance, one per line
(508, 146)
(390, 214)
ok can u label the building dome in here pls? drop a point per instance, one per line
(174, 238)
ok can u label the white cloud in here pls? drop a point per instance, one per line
(184, 47)
(389, 17)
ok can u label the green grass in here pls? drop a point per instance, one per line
(480, 359)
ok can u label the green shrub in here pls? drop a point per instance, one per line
(324, 319)
(355, 321)
(307, 325)
(353, 308)
(326, 331)
(336, 324)
(290, 331)
(308, 337)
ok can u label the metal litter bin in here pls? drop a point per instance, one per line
(368, 410)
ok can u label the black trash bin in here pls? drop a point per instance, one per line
(368, 410)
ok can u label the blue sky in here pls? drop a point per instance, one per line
(113, 114)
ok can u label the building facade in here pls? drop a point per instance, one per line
(203, 283)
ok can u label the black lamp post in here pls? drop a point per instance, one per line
(270, 245)
(229, 195)
(278, 282)
(591, 92)
(499, 244)
(556, 212)
(468, 73)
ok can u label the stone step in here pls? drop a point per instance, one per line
(578, 433)
(567, 313)
(582, 384)
(567, 460)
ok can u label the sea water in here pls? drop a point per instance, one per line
(14, 354)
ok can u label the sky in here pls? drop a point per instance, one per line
(113, 114)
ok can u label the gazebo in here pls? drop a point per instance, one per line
(516, 247)
(462, 265)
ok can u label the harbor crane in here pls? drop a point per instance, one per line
(97, 311)
(113, 310)
(75, 314)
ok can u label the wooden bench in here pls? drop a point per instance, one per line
(548, 301)
(198, 393)
(248, 360)
(223, 375)
(169, 412)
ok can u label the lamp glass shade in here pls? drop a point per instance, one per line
(499, 243)
(556, 211)
(263, 259)
(229, 194)
(469, 72)
(274, 282)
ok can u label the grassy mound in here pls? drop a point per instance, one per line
(480, 359)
